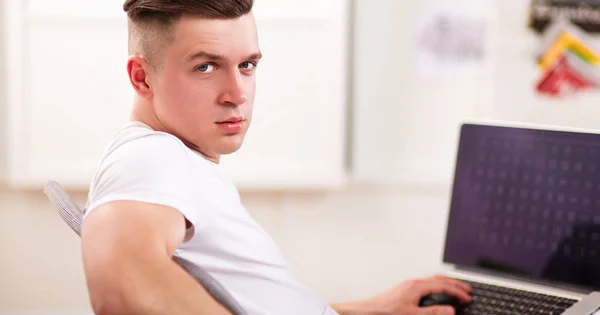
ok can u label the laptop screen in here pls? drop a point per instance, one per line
(527, 202)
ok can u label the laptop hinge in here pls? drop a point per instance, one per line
(541, 282)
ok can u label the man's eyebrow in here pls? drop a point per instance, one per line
(206, 55)
(215, 57)
(255, 56)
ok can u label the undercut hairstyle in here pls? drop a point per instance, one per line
(151, 22)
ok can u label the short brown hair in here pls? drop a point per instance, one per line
(151, 21)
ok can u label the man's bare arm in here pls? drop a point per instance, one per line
(127, 254)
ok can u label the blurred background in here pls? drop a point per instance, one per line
(349, 161)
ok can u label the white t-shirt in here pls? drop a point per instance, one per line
(155, 167)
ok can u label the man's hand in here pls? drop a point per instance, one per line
(404, 299)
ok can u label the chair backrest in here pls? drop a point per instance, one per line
(72, 214)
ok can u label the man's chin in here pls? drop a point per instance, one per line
(231, 145)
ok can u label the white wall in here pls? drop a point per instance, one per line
(288, 144)
(406, 126)
(2, 102)
(517, 74)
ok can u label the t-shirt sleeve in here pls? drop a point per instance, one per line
(153, 169)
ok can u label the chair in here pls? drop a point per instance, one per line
(73, 215)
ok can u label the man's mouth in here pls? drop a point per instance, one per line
(231, 120)
(232, 125)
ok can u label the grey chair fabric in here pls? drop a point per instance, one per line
(72, 214)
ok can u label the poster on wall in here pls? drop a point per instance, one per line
(567, 62)
(451, 39)
(583, 13)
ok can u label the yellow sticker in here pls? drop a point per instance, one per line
(563, 43)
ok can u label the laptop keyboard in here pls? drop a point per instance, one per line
(497, 300)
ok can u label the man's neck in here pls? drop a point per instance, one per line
(143, 111)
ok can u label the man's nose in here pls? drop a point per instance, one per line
(235, 93)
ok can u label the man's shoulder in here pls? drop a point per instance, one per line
(141, 164)
(137, 138)
(138, 151)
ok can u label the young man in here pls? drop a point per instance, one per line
(159, 190)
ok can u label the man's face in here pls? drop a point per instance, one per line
(204, 91)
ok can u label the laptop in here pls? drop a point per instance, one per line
(524, 221)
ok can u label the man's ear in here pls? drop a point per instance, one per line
(137, 68)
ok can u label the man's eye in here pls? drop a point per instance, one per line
(247, 65)
(206, 68)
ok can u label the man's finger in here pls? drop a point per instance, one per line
(460, 284)
(462, 295)
(436, 310)
(440, 285)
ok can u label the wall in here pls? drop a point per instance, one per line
(309, 148)
(406, 120)
(406, 123)
(2, 102)
(517, 74)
